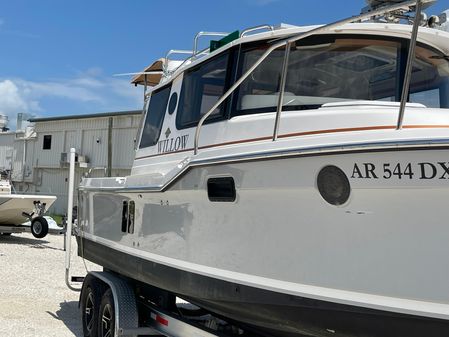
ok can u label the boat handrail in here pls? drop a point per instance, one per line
(194, 53)
(200, 34)
(409, 66)
(167, 72)
(256, 28)
(297, 37)
(171, 52)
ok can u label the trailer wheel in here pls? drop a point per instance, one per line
(39, 227)
(106, 327)
(90, 300)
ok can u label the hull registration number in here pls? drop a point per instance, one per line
(425, 170)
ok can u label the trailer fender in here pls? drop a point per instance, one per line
(125, 304)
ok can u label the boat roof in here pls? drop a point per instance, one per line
(94, 115)
(435, 38)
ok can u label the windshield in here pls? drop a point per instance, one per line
(325, 69)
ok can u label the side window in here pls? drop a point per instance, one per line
(201, 89)
(155, 117)
(430, 79)
(321, 69)
(259, 90)
(334, 68)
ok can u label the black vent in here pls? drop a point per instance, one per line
(221, 189)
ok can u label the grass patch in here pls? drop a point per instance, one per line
(57, 218)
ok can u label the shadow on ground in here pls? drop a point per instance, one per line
(70, 316)
(17, 239)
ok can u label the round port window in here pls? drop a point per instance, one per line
(333, 185)
(172, 103)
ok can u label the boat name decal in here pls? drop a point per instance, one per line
(172, 144)
(424, 170)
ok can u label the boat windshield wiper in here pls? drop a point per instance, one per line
(301, 107)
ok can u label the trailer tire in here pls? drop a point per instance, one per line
(106, 326)
(39, 227)
(90, 299)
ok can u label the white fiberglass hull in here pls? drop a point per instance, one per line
(12, 206)
(384, 249)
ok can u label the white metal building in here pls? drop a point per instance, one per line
(104, 143)
(6, 150)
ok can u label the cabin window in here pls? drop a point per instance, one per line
(430, 79)
(324, 69)
(258, 92)
(339, 69)
(155, 117)
(202, 86)
(46, 144)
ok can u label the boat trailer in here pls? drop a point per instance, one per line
(121, 313)
(38, 224)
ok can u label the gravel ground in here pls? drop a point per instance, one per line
(34, 300)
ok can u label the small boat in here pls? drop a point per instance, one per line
(295, 180)
(16, 209)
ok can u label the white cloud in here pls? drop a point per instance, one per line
(91, 90)
(71, 89)
(11, 100)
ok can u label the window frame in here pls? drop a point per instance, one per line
(147, 110)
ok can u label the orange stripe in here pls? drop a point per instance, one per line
(365, 128)
(306, 133)
(425, 126)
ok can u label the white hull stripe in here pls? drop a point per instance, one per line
(392, 304)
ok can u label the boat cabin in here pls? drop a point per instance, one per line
(349, 68)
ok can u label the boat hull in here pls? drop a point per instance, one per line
(283, 258)
(264, 311)
(12, 206)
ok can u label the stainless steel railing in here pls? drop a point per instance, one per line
(288, 41)
(197, 37)
(256, 28)
(409, 66)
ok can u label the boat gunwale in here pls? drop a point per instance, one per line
(364, 147)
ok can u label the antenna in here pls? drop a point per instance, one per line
(399, 14)
(140, 73)
(376, 4)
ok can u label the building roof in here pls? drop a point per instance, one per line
(96, 115)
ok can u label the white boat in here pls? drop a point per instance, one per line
(292, 180)
(15, 209)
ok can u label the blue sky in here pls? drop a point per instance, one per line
(59, 57)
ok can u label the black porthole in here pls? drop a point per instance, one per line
(333, 185)
(172, 103)
(221, 189)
